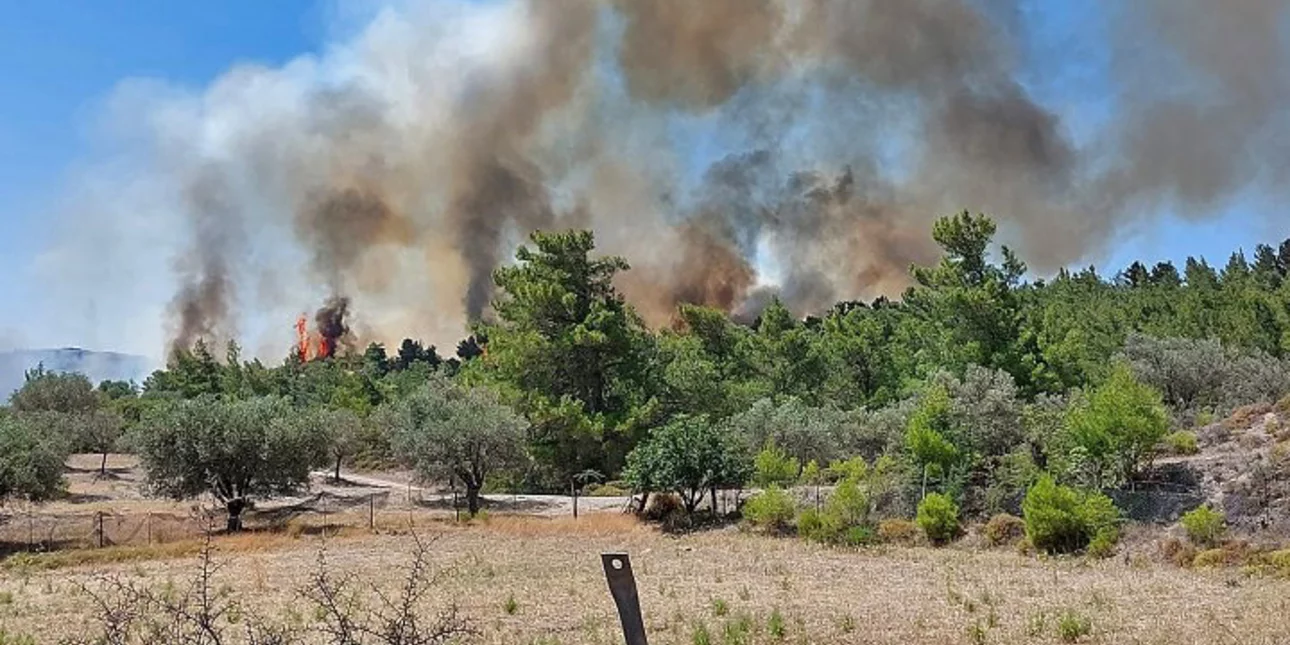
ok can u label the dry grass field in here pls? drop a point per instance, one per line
(535, 580)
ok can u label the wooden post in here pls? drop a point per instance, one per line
(573, 491)
(100, 521)
(371, 512)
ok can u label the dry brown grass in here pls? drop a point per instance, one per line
(551, 571)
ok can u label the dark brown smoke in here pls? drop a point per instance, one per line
(200, 309)
(833, 132)
(333, 329)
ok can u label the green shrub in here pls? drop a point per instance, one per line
(1182, 442)
(812, 474)
(1060, 519)
(1004, 529)
(811, 526)
(897, 531)
(773, 467)
(1204, 525)
(854, 468)
(1071, 626)
(1209, 558)
(938, 516)
(1103, 543)
(858, 536)
(770, 510)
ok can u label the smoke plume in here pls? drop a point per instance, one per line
(731, 149)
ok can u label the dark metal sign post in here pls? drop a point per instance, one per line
(622, 585)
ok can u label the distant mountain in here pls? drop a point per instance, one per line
(98, 366)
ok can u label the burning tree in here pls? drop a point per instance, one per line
(234, 450)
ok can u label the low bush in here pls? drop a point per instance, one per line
(1246, 416)
(663, 506)
(1283, 406)
(1274, 563)
(1181, 443)
(1209, 558)
(1178, 552)
(1004, 529)
(771, 510)
(938, 516)
(1060, 519)
(773, 467)
(1205, 526)
(611, 489)
(1071, 626)
(1103, 543)
(898, 531)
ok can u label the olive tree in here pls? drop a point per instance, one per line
(462, 431)
(31, 462)
(233, 449)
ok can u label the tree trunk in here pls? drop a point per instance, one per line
(235, 507)
(338, 458)
(103, 465)
(714, 501)
(472, 499)
(644, 503)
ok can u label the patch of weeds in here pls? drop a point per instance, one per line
(699, 635)
(720, 607)
(977, 633)
(8, 638)
(775, 625)
(1036, 625)
(738, 631)
(745, 594)
(1072, 626)
(847, 624)
(511, 606)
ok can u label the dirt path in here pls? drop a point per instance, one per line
(544, 505)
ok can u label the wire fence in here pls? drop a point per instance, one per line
(37, 530)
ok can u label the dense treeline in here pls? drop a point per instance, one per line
(973, 384)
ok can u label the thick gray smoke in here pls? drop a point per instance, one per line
(726, 147)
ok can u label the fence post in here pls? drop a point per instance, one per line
(99, 517)
(371, 512)
(573, 491)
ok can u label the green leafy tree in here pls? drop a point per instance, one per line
(31, 462)
(690, 456)
(464, 432)
(1118, 425)
(233, 449)
(63, 392)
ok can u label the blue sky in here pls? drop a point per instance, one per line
(60, 60)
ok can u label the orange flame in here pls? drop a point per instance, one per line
(324, 348)
(302, 337)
